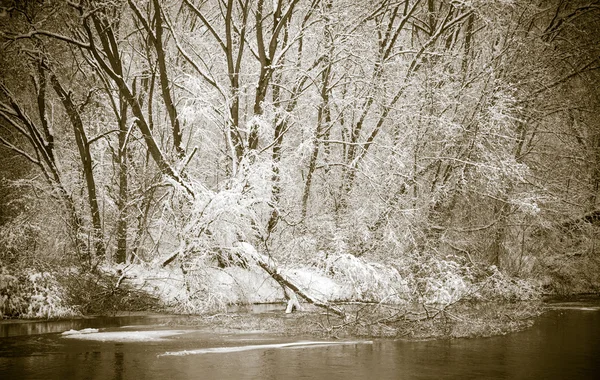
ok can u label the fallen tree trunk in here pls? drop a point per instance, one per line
(284, 282)
(247, 251)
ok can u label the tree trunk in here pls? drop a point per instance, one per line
(249, 254)
(86, 161)
(121, 256)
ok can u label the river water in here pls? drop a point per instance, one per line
(563, 344)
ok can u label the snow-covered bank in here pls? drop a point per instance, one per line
(376, 299)
(436, 283)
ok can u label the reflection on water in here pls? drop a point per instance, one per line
(564, 344)
(15, 327)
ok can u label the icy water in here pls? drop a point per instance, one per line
(563, 344)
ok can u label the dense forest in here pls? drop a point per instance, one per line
(399, 151)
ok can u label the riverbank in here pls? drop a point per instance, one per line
(462, 320)
(383, 304)
(434, 307)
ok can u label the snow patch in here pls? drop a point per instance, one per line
(319, 285)
(84, 331)
(124, 336)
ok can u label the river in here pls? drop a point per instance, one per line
(563, 344)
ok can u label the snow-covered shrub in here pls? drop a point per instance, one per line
(46, 297)
(369, 281)
(12, 302)
(33, 295)
(198, 295)
(439, 281)
(499, 286)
